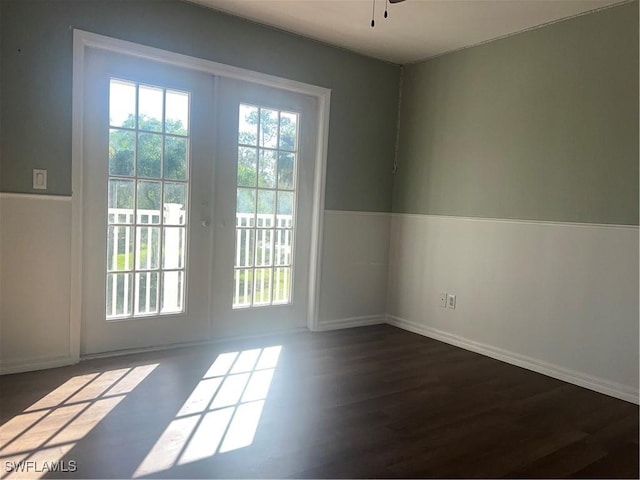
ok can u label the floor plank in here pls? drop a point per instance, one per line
(371, 402)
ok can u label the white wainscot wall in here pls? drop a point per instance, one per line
(35, 258)
(354, 269)
(560, 299)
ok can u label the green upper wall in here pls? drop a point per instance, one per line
(542, 125)
(36, 81)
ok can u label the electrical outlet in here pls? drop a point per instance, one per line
(451, 301)
(443, 299)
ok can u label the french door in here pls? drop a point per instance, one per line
(263, 204)
(148, 160)
(197, 205)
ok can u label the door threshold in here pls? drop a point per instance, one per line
(172, 346)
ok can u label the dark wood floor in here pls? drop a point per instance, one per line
(366, 402)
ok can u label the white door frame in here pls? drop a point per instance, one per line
(82, 41)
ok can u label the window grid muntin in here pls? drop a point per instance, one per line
(129, 275)
(274, 227)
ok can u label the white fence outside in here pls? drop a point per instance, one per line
(273, 248)
(147, 266)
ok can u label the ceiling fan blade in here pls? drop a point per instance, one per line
(395, 1)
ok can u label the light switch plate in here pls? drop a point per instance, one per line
(39, 179)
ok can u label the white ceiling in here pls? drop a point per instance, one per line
(415, 29)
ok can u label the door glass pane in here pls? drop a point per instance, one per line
(266, 208)
(150, 105)
(119, 294)
(282, 282)
(175, 203)
(146, 293)
(149, 155)
(119, 248)
(177, 112)
(262, 286)
(264, 247)
(147, 200)
(173, 247)
(147, 248)
(120, 196)
(175, 158)
(244, 247)
(265, 221)
(288, 131)
(173, 292)
(285, 210)
(122, 152)
(122, 104)
(268, 128)
(247, 165)
(246, 202)
(248, 125)
(286, 164)
(267, 169)
(283, 247)
(243, 291)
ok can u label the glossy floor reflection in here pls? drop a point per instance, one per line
(371, 402)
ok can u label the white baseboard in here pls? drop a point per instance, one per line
(599, 385)
(38, 363)
(351, 322)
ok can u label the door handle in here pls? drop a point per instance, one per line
(206, 223)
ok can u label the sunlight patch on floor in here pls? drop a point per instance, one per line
(221, 414)
(34, 441)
